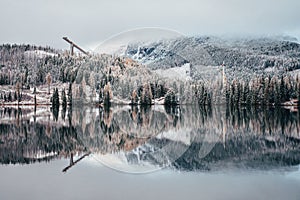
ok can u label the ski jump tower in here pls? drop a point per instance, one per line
(72, 45)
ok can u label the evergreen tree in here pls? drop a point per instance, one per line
(55, 99)
(9, 98)
(170, 98)
(266, 99)
(298, 94)
(64, 99)
(271, 93)
(282, 90)
(100, 95)
(209, 99)
(232, 94)
(35, 102)
(15, 96)
(254, 97)
(70, 99)
(146, 97)
(245, 94)
(237, 97)
(227, 95)
(107, 95)
(205, 94)
(277, 94)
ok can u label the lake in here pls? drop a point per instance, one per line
(124, 152)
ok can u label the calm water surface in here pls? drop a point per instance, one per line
(150, 153)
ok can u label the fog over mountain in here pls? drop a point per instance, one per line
(90, 22)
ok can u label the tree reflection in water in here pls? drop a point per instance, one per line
(185, 137)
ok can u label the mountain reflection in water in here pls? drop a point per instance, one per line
(135, 139)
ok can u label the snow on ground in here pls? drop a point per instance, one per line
(182, 73)
(118, 101)
(207, 73)
(42, 96)
(295, 73)
(159, 101)
(270, 69)
(39, 53)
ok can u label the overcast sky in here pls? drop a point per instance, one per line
(88, 22)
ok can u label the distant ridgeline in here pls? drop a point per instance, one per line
(214, 137)
(257, 72)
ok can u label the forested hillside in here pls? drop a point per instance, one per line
(210, 71)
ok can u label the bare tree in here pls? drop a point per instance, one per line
(107, 94)
(134, 98)
(48, 80)
(18, 87)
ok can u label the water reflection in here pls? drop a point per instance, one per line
(143, 139)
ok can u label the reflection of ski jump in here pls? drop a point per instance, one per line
(72, 162)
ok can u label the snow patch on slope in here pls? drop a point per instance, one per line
(182, 72)
(39, 53)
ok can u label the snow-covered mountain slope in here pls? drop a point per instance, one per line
(243, 57)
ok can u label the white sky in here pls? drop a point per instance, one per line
(88, 22)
